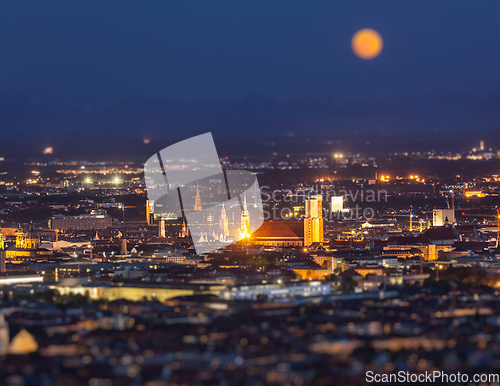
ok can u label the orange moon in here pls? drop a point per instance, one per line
(367, 44)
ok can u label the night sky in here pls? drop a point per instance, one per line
(98, 77)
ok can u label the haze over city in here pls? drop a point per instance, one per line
(79, 77)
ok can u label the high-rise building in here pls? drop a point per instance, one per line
(313, 223)
(481, 145)
(337, 204)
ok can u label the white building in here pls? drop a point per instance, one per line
(337, 204)
(439, 217)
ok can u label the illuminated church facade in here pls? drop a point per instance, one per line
(27, 246)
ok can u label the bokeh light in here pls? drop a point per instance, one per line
(367, 44)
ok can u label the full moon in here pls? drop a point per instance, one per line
(367, 44)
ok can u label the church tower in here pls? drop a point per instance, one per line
(224, 222)
(161, 228)
(20, 238)
(197, 200)
(245, 219)
(185, 229)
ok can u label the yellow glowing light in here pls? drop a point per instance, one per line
(116, 180)
(367, 44)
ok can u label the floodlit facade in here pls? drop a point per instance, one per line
(439, 217)
(313, 223)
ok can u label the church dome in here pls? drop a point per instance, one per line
(32, 234)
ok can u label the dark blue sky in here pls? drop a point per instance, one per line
(76, 73)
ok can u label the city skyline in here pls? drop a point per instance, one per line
(249, 193)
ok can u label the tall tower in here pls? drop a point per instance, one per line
(161, 228)
(223, 221)
(150, 208)
(481, 145)
(185, 229)
(20, 238)
(245, 219)
(123, 249)
(313, 223)
(197, 200)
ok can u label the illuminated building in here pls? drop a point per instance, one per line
(185, 229)
(474, 193)
(312, 273)
(245, 219)
(280, 234)
(337, 204)
(439, 216)
(224, 222)
(429, 252)
(27, 247)
(123, 248)
(313, 223)
(23, 343)
(140, 291)
(150, 208)
(19, 277)
(81, 222)
(270, 291)
(2, 253)
(161, 228)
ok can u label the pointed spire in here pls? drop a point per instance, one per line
(197, 200)
(245, 219)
